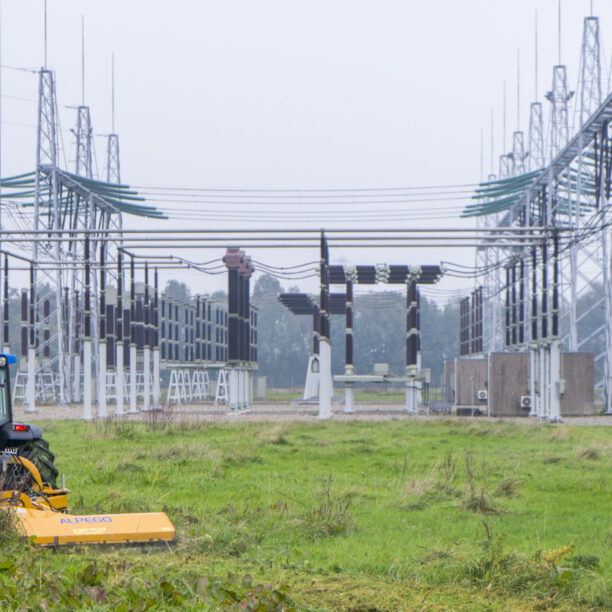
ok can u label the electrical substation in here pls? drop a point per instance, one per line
(96, 329)
(271, 339)
(520, 336)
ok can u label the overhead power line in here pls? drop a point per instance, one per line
(234, 190)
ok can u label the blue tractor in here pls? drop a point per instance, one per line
(21, 438)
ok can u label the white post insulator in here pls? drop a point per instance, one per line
(555, 381)
(311, 387)
(102, 411)
(146, 378)
(245, 389)
(240, 378)
(120, 379)
(87, 379)
(542, 379)
(156, 388)
(233, 386)
(76, 388)
(550, 389)
(325, 379)
(133, 379)
(543, 383)
(349, 401)
(533, 377)
(411, 397)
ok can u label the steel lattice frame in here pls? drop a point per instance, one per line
(62, 203)
(572, 192)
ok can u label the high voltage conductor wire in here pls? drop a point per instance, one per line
(568, 242)
(476, 272)
(20, 68)
(73, 233)
(281, 277)
(247, 203)
(218, 260)
(241, 210)
(178, 241)
(328, 216)
(295, 208)
(285, 274)
(466, 186)
(273, 200)
(315, 221)
(308, 263)
(212, 270)
(297, 215)
(301, 194)
(295, 276)
(254, 243)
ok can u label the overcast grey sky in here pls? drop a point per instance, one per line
(288, 93)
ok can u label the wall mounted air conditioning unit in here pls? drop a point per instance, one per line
(483, 395)
(525, 401)
(561, 386)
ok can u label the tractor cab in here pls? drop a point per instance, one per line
(22, 438)
(6, 413)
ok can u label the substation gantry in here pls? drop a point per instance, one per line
(86, 334)
(528, 296)
(319, 379)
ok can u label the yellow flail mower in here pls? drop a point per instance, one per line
(28, 490)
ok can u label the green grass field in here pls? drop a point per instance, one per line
(399, 515)
(382, 393)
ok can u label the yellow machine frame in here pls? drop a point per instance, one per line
(41, 514)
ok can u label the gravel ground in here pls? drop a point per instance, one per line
(261, 412)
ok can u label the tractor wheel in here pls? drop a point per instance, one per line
(37, 451)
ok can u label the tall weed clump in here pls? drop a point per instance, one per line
(9, 533)
(555, 576)
(559, 578)
(330, 513)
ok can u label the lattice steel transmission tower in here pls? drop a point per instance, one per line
(582, 255)
(46, 205)
(113, 166)
(590, 74)
(567, 201)
(537, 153)
(505, 166)
(519, 155)
(64, 202)
(537, 157)
(84, 143)
(593, 257)
(559, 96)
(83, 211)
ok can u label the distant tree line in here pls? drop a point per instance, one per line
(285, 340)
